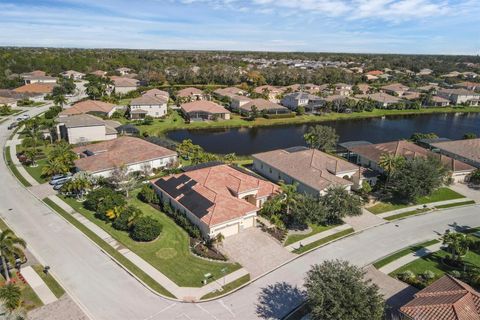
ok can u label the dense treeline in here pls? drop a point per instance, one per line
(208, 67)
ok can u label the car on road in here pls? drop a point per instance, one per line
(12, 125)
(60, 180)
(23, 117)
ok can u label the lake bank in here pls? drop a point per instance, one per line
(176, 122)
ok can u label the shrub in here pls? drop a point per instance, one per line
(145, 229)
(148, 195)
(406, 276)
(280, 115)
(102, 200)
(428, 275)
(126, 218)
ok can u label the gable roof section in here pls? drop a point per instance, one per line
(148, 100)
(117, 152)
(467, 148)
(88, 106)
(309, 166)
(203, 106)
(41, 88)
(187, 92)
(262, 104)
(406, 149)
(445, 299)
(211, 193)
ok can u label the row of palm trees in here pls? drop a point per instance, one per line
(11, 249)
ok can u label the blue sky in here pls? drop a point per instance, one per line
(389, 26)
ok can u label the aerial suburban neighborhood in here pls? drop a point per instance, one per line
(259, 179)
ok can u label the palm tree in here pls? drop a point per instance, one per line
(60, 100)
(457, 244)
(10, 296)
(11, 248)
(289, 195)
(390, 163)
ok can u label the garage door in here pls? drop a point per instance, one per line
(229, 230)
(248, 222)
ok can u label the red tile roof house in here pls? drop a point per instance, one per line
(446, 299)
(91, 107)
(229, 92)
(262, 105)
(124, 85)
(396, 89)
(190, 94)
(204, 110)
(368, 155)
(273, 92)
(382, 100)
(100, 159)
(218, 199)
(148, 105)
(38, 76)
(314, 171)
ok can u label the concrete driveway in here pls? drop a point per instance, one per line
(255, 250)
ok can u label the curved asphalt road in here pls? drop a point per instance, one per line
(106, 291)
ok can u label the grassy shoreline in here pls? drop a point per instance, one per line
(175, 122)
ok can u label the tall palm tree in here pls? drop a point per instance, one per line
(289, 195)
(11, 248)
(457, 244)
(10, 297)
(390, 163)
(60, 100)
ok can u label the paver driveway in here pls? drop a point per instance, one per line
(255, 250)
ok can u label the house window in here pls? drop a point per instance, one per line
(270, 170)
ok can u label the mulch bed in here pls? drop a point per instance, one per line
(202, 250)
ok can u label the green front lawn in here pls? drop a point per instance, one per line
(323, 241)
(228, 287)
(36, 172)
(397, 255)
(315, 229)
(169, 123)
(54, 286)
(441, 194)
(170, 253)
(406, 214)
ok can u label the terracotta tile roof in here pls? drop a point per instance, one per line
(212, 193)
(229, 92)
(468, 148)
(203, 106)
(5, 100)
(458, 92)
(41, 88)
(157, 93)
(263, 104)
(124, 81)
(375, 72)
(87, 106)
(395, 87)
(406, 149)
(380, 97)
(99, 73)
(149, 100)
(445, 299)
(439, 99)
(309, 166)
(117, 152)
(272, 89)
(187, 92)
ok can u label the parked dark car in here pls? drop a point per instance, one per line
(12, 125)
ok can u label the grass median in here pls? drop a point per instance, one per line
(49, 280)
(228, 287)
(110, 250)
(318, 243)
(441, 194)
(315, 229)
(397, 255)
(456, 204)
(13, 168)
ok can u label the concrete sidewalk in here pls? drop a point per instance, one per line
(184, 293)
(394, 265)
(317, 236)
(421, 206)
(37, 284)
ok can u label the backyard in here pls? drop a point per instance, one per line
(441, 194)
(169, 253)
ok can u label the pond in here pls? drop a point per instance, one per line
(244, 141)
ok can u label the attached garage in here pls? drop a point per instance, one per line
(228, 230)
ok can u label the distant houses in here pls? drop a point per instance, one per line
(72, 74)
(460, 96)
(124, 85)
(152, 103)
(38, 76)
(219, 199)
(191, 94)
(272, 93)
(302, 99)
(262, 106)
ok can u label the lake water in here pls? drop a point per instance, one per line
(245, 141)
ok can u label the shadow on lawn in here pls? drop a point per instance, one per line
(277, 300)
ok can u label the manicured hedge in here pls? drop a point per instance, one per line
(280, 115)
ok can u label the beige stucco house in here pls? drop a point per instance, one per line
(84, 128)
